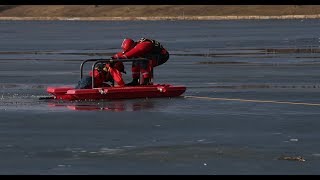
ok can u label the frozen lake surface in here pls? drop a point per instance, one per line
(252, 99)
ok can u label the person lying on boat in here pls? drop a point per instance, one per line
(144, 48)
(103, 73)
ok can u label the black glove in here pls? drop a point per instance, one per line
(111, 64)
(100, 67)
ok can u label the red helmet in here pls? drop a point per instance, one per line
(127, 44)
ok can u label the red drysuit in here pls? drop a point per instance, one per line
(144, 48)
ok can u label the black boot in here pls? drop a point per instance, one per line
(134, 82)
(146, 81)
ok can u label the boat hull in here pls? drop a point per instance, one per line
(126, 92)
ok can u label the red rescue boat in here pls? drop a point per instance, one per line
(115, 92)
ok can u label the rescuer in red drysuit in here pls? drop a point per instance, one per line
(144, 48)
(103, 73)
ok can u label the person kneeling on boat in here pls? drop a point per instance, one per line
(144, 48)
(103, 73)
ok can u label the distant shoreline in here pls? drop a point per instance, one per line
(317, 16)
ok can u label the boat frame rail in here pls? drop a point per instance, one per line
(105, 61)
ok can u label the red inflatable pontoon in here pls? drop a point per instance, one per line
(114, 92)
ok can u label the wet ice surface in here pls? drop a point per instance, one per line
(276, 61)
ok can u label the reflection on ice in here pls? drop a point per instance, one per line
(114, 106)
